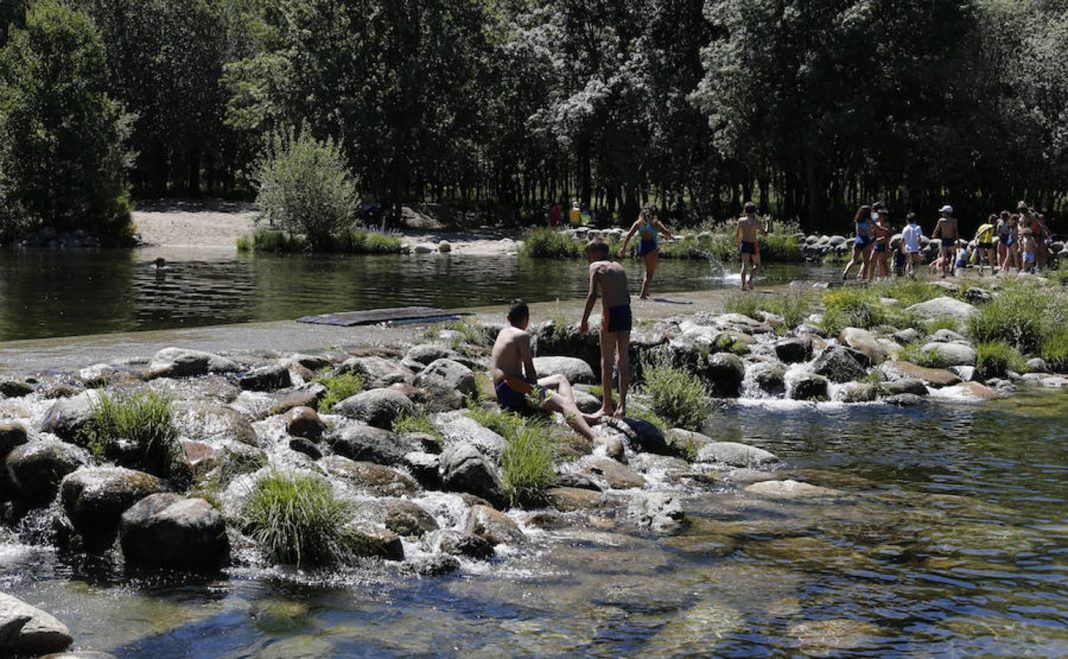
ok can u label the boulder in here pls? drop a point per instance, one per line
(28, 631)
(933, 377)
(271, 377)
(305, 447)
(946, 336)
(794, 350)
(863, 342)
(586, 402)
(464, 469)
(494, 526)
(459, 543)
(408, 519)
(570, 499)
(951, 354)
(808, 386)
(183, 363)
(431, 565)
(575, 370)
(69, 416)
(429, 353)
(15, 388)
(973, 390)
(377, 407)
(377, 372)
(642, 435)
(425, 248)
(447, 382)
(856, 392)
(768, 377)
(374, 542)
(37, 468)
(660, 512)
(424, 467)
(978, 295)
(457, 427)
(94, 498)
(370, 444)
(1037, 365)
(725, 371)
(12, 435)
(304, 422)
(687, 443)
(306, 396)
(213, 423)
(613, 474)
(839, 364)
(904, 386)
(965, 373)
(735, 454)
(311, 362)
(943, 307)
(173, 532)
(371, 478)
(907, 336)
(791, 489)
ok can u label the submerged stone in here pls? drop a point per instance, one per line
(494, 526)
(735, 454)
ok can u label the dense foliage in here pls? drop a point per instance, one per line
(809, 107)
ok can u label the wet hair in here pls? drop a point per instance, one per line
(598, 248)
(518, 311)
(863, 213)
(749, 207)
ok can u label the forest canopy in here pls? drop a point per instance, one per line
(808, 107)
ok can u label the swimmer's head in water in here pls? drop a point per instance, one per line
(596, 250)
(519, 313)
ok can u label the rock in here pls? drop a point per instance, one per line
(37, 468)
(617, 476)
(94, 498)
(686, 443)
(102, 375)
(377, 372)
(494, 526)
(311, 362)
(370, 444)
(769, 377)
(903, 400)
(432, 565)
(863, 342)
(457, 427)
(839, 364)
(28, 631)
(586, 402)
(305, 447)
(613, 448)
(570, 499)
(459, 543)
(661, 512)
(199, 457)
(965, 373)
(808, 386)
(794, 350)
(271, 377)
(425, 248)
(856, 392)
(371, 478)
(408, 519)
(790, 489)
(1037, 365)
(946, 336)
(575, 370)
(978, 295)
(907, 336)
(444, 247)
(735, 454)
(448, 383)
(377, 407)
(424, 467)
(213, 423)
(951, 354)
(374, 542)
(725, 371)
(973, 390)
(15, 389)
(12, 435)
(183, 363)
(173, 532)
(943, 307)
(68, 416)
(429, 353)
(464, 469)
(904, 386)
(933, 377)
(304, 422)
(306, 396)
(642, 435)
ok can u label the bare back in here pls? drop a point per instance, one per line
(611, 279)
(510, 353)
(748, 228)
(948, 227)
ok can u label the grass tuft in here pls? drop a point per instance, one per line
(1055, 350)
(852, 307)
(140, 426)
(528, 468)
(338, 388)
(1013, 317)
(676, 396)
(416, 423)
(995, 359)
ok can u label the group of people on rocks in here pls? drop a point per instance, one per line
(1004, 242)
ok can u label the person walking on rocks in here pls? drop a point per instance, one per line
(946, 230)
(748, 236)
(516, 381)
(610, 280)
(648, 227)
(881, 232)
(862, 243)
(910, 245)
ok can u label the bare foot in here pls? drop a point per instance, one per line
(620, 413)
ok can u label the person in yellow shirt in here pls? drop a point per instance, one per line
(575, 215)
(984, 244)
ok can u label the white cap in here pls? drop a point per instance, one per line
(947, 209)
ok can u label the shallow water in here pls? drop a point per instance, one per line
(947, 535)
(51, 293)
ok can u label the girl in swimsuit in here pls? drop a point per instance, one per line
(648, 227)
(1012, 247)
(862, 245)
(882, 231)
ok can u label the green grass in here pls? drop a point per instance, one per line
(548, 244)
(297, 520)
(942, 323)
(503, 423)
(792, 307)
(676, 396)
(469, 333)
(1015, 317)
(915, 354)
(528, 467)
(416, 423)
(357, 241)
(852, 307)
(1055, 350)
(145, 420)
(338, 388)
(996, 358)
(908, 291)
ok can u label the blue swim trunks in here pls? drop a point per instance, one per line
(647, 246)
(949, 242)
(862, 241)
(618, 319)
(880, 247)
(512, 400)
(747, 247)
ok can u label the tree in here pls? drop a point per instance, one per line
(63, 160)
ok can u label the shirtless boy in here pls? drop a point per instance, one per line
(609, 278)
(746, 234)
(946, 230)
(1028, 251)
(516, 382)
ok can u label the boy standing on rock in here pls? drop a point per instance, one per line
(610, 279)
(516, 382)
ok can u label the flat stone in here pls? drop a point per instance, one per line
(570, 499)
(371, 478)
(933, 377)
(182, 363)
(661, 512)
(29, 631)
(864, 342)
(943, 307)
(616, 475)
(735, 454)
(790, 489)
(575, 370)
(494, 526)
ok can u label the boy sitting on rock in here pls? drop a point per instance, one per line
(610, 279)
(516, 382)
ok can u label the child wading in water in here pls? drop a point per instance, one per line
(609, 278)
(747, 234)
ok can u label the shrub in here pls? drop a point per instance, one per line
(908, 291)
(306, 188)
(1055, 350)
(676, 396)
(527, 465)
(364, 241)
(546, 243)
(1013, 317)
(138, 430)
(297, 520)
(994, 359)
(338, 388)
(851, 307)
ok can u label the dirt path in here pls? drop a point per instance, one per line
(188, 224)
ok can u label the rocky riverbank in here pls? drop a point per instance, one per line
(398, 453)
